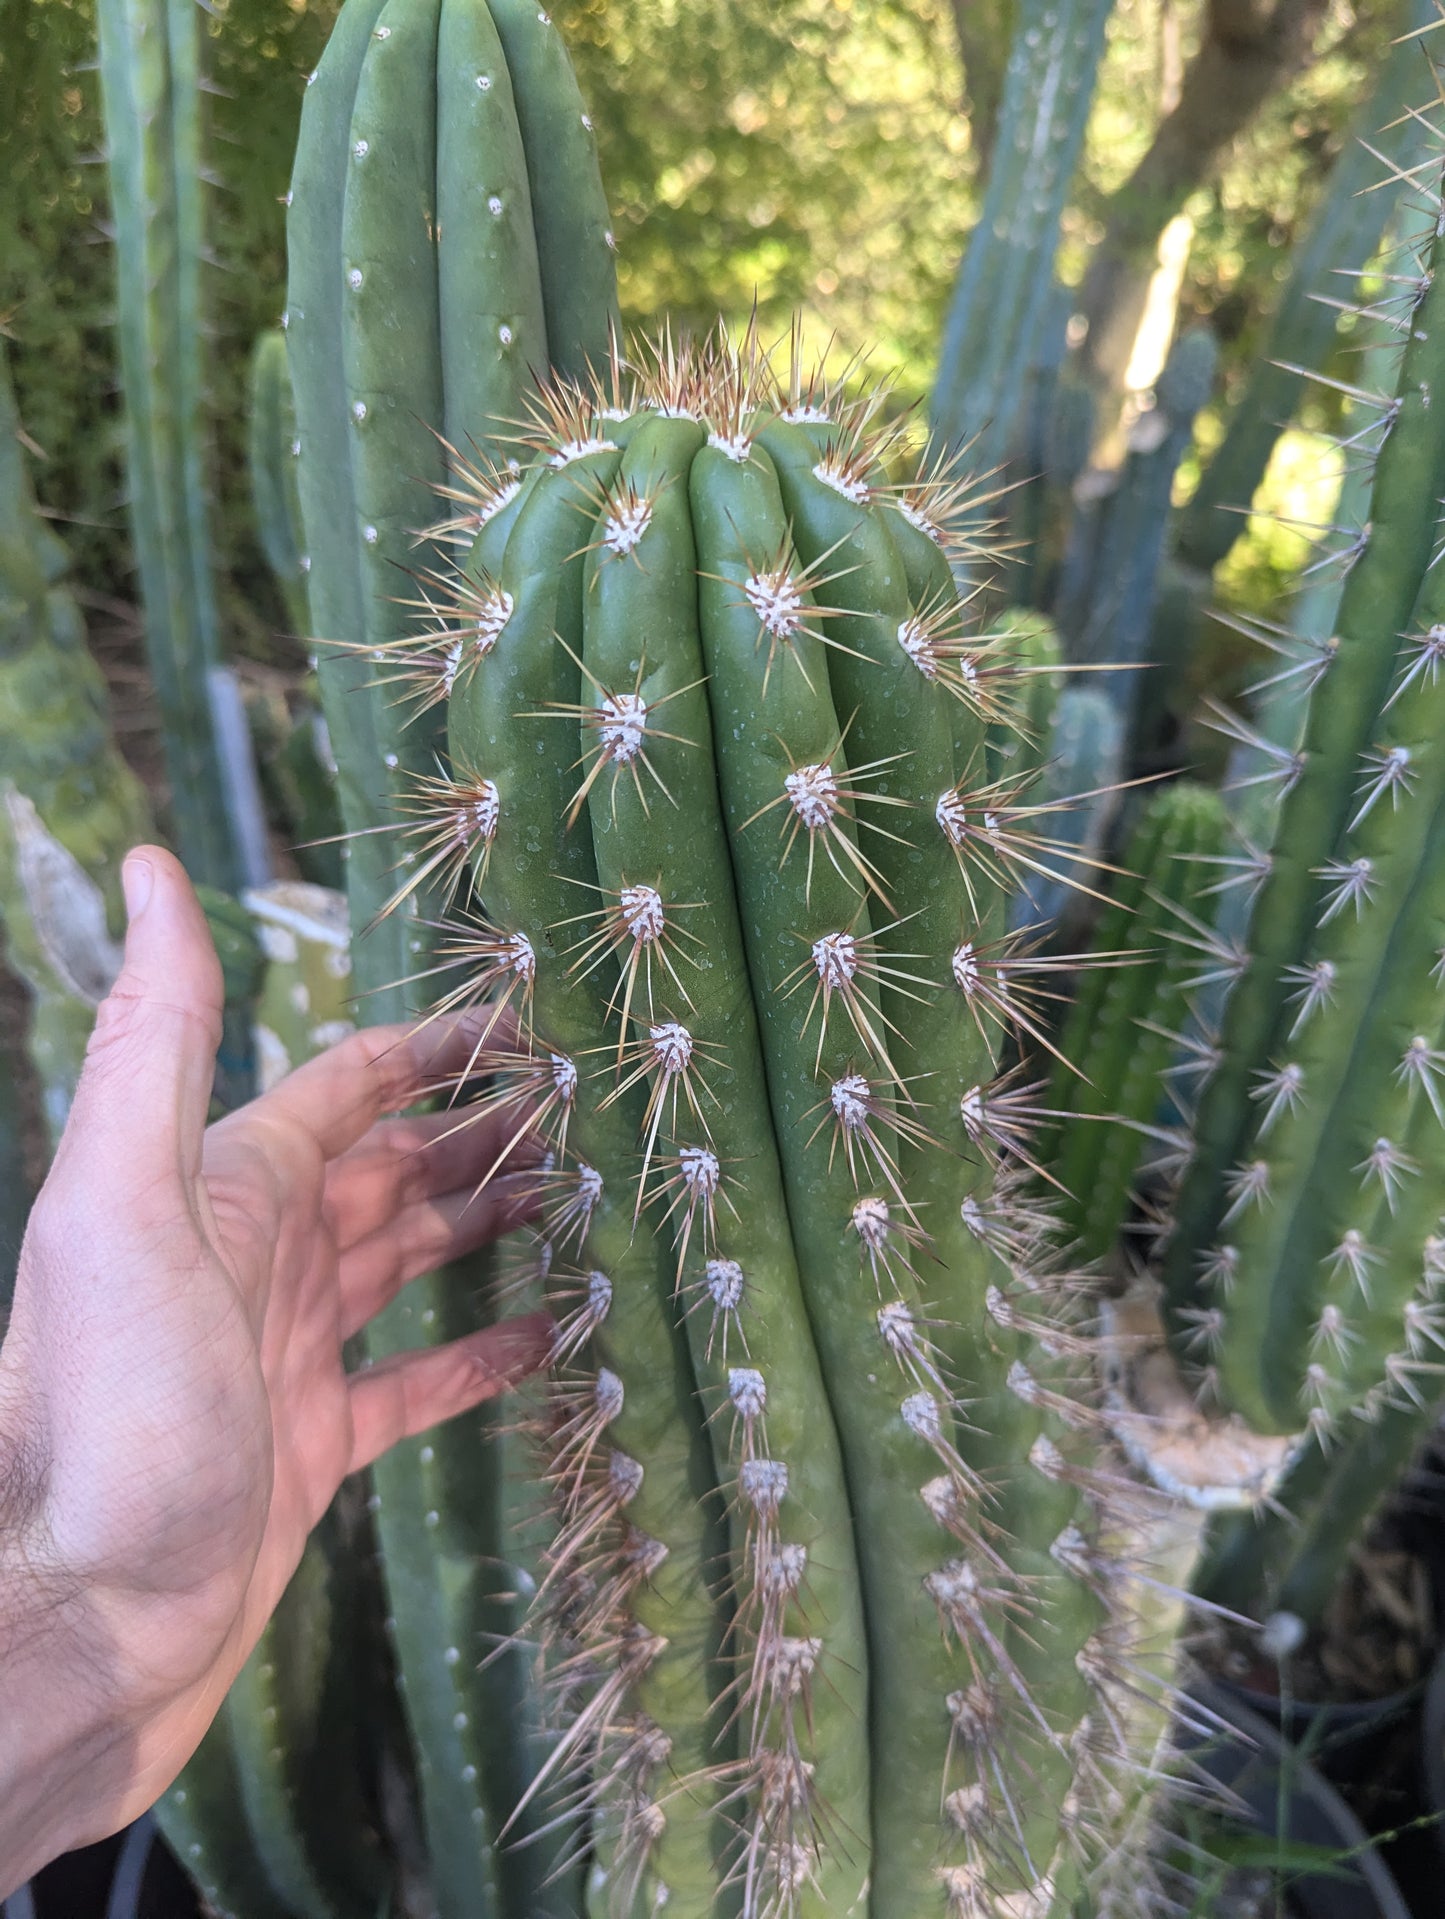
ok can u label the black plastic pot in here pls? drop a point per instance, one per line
(1353, 1745)
(1282, 1793)
(132, 1876)
(1432, 1753)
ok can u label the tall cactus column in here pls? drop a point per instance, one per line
(416, 317)
(1333, 1010)
(151, 93)
(744, 881)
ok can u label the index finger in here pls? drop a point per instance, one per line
(339, 1096)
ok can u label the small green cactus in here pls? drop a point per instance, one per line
(1123, 1034)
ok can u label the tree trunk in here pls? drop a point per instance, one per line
(985, 31)
(1250, 49)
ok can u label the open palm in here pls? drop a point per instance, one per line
(174, 1411)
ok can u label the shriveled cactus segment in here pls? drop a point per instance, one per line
(831, 1585)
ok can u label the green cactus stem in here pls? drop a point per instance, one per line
(1077, 794)
(1300, 890)
(1002, 296)
(1385, 147)
(151, 94)
(1109, 580)
(273, 452)
(411, 213)
(1122, 1035)
(1029, 643)
(819, 1457)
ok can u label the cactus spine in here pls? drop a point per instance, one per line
(411, 214)
(150, 88)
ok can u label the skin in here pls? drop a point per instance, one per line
(175, 1415)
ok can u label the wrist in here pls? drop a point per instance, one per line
(63, 1741)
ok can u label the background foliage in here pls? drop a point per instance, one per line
(814, 154)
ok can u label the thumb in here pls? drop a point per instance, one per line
(141, 1106)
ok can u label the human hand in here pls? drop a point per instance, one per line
(174, 1413)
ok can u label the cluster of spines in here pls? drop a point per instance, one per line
(633, 998)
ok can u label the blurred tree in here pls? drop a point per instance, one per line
(984, 29)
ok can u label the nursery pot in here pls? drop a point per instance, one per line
(1281, 1792)
(1432, 1753)
(1351, 1744)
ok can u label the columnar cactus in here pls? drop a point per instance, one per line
(430, 277)
(151, 92)
(1005, 287)
(1120, 1041)
(830, 1594)
(1304, 1198)
(273, 453)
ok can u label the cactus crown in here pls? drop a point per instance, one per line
(735, 899)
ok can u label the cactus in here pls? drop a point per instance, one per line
(1018, 744)
(1077, 796)
(273, 450)
(1005, 289)
(719, 763)
(70, 808)
(1108, 584)
(293, 749)
(1297, 1168)
(1121, 1037)
(150, 90)
(1382, 154)
(428, 280)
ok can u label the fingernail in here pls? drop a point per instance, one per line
(137, 877)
